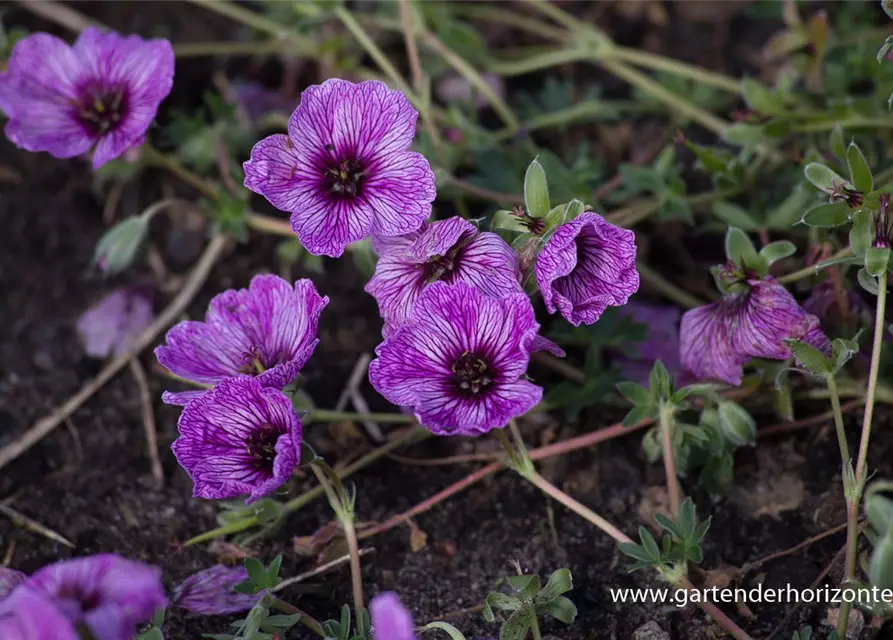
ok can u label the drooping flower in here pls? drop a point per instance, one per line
(108, 594)
(238, 438)
(716, 340)
(460, 360)
(450, 250)
(108, 327)
(102, 93)
(267, 331)
(343, 170)
(9, 580)
(29, 614)
(390, 619)
(586, 266)
(210, 592)
(661, 341)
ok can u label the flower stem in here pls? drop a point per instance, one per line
(326, 415)
(813, 269)
(666, 420)
(340, 503)
(306, 619)
(861, 462)
(534, 626)
(418, 75)
(838, 419)
(666, 288)
(657, 62)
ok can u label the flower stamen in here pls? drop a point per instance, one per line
(471, 374)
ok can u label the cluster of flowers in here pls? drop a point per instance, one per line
(110, 596)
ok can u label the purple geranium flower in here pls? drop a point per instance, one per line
(585, 267)
(661, 341)
(268, 331)
(101, 94)
(108, 327)
(717, 339)
(343, 170)
(210, 592)
(238, 438)
(108, 594)
(450, 251)
(28, 614)
(460, 360)
(390, 619)
(9, 580)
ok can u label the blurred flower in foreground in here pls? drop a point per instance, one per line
(239, 438)
(661, 341)
(345, 170)
(100, 94)
(210, 592)
(109, 327)
(586, 266)
(267, 330)
(390, 619)
(28, 614)
(9, 580)
(716, 340)
(449, 250)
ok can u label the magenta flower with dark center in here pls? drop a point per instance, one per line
(267, 331)
(238, 438)
(585, 267)
(460, 360)
(29, 614)
(716, 340)
(344, 170)
(210, 592)
(108, 327)
(390, 619)
(451, 250)
(108, 594)
(102, 93)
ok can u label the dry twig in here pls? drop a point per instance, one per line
(29, 524)
(142, 382)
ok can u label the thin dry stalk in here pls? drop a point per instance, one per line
(148, 414)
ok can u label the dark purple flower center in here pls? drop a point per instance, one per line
(261, 446)
(344, 176)
(102, 109)
(443, 267)
(472, 374)
(74, 597)
(253, 362)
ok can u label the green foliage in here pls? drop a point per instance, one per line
(118, 247)
(529, 600)
(662, 180)
(341, 629)
(680, 544)
(154, 632)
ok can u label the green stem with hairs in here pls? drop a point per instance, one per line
(838, 419)
(814, 269)
(306, 619)
(861, 473)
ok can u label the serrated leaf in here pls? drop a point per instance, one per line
(822, 177)
(560, 608)
(860, 172)
(778, 250)
(735, 216)
(827, 215)
(536, 190)
(635, 393)
(739, 248)
(452, 631)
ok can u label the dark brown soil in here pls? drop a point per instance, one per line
(90, 479)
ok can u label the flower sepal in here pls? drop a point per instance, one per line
(563, 213)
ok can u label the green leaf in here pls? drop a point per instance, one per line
(841, 351)
(826, 215)
(648, 543)
(778, 250)
(867, 282)
(759, 97)
(503, 602)
(838, 147)
(877, 260)
(636, 415)
(885, 49)
(559, 582)
(809, 357)
(273, 571)
(118, 246)
(635, 393)
(669, 525)
(516, 627)
(880, 571)
(560, 608)
(153, 633)
(860, 172)
(507, 220)
(739, 249)
(283, 622)
(256, 572)
(861, 232)
(735, 216)
(452, 631)
(879, 509)
(688, 518)
(536, 190)
(636, 552)
(736, 424)
(823, 177)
